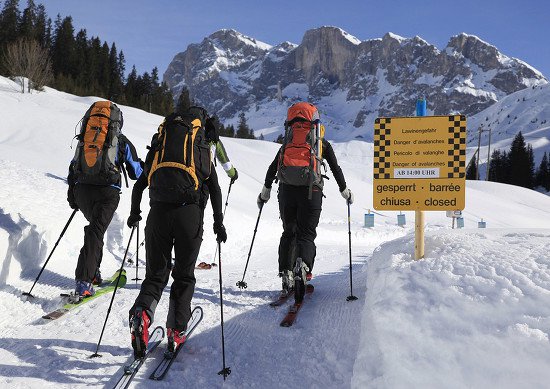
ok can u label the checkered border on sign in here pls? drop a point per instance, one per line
(457, 147)
(381, 134)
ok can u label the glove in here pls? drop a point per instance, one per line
(263, 197)
(133, 220)
(71, 199)
(234, 176)
(346, 193)
(219, 229)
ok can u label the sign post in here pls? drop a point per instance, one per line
(420, 165)
(419, 215)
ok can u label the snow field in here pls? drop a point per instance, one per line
(473, 313)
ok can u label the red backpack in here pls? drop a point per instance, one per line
(300, 159)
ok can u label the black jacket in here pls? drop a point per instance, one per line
(209, 186)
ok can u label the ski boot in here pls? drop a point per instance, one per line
(300, 280)
(287, 278)
(98, 280)
(175, 338)
(83, 289)
(139, 329)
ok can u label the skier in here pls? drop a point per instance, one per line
(175, 220)
(297, 166)
(94, 184)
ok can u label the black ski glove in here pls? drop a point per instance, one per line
(133, 220)
(219, 229)
(71, 199)
(235, 176)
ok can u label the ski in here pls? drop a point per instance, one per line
(169, 356)
(283, 298)
(107, 286)
(130, 371)
(290, 317)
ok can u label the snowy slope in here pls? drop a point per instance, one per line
(527, 110)
(475, 308)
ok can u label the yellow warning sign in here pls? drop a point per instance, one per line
(420, 163)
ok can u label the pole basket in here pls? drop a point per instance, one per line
(351, 298)
(225, 372)
(242, 285)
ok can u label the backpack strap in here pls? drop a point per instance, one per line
(125, 174)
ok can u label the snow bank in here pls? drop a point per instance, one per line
(473, 313)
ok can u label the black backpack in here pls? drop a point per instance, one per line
(181, 158)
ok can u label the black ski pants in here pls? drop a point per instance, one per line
(300, 217)
(98, 205)
(171, 226)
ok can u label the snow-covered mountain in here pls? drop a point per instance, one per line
(474, 313)
(352, 81)
(527, 110)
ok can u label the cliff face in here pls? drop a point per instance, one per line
(353, 81)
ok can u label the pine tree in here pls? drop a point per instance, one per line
(243, 131)
(520, 163)
(130, 90)
(29, 21)
(9, 22)
(116, 76)
(471, 171)
(499, 167)
(531, 165)
(42, 27)
(184, 101)
(63, 47)
(543, 174)
(230, 131)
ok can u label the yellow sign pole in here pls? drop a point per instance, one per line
(418, 235)
(419, 215)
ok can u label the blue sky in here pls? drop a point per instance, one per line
(151, 32)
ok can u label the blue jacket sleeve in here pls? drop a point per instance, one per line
(134, 166)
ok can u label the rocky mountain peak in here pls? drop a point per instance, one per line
(352, 81)
(232, 39)
(326, 51)
(476, 50)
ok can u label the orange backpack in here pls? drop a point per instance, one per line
(300, 159)
(96, 154)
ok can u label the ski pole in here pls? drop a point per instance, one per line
(241, 284)
(226, 202)
(137, 254)
(351, 297)
(51, 253)
(226, 370)
(130, 261)
(94, 355)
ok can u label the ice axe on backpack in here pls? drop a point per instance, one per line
(51, 253)
(241, 284)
